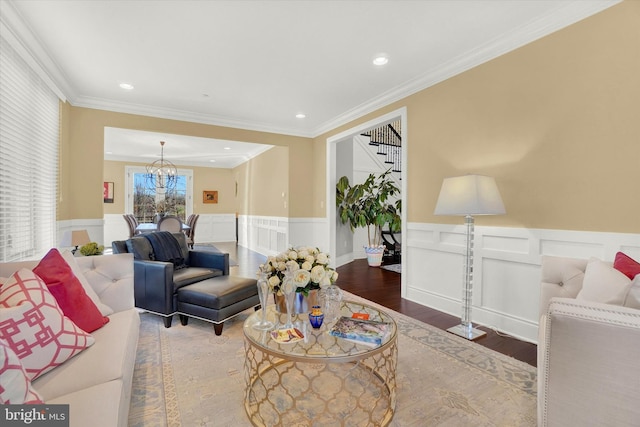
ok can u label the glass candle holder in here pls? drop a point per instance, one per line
(316, 317)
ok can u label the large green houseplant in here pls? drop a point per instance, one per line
(370, 205)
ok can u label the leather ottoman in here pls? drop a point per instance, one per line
(217, 299)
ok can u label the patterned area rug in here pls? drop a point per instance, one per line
(187, 376)
(396, 268)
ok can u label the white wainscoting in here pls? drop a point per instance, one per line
(267, 235)
(506, 269)
(270, 235)
(94, 227)
(215, 228)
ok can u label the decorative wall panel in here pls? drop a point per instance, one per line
(506, 269)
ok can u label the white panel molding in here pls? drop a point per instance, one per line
(271, 235)
(266, 235)
(212, 228)
(506, 269)
(115, 228)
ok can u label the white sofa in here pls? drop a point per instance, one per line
(588, 352)
(96, 383)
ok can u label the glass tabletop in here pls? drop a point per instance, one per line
(318, 343)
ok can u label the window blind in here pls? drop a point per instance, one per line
(29, 138)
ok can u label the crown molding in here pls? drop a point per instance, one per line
(187, 116)
(567, 13)
(22, 39)
(183, 163)
(229, 161)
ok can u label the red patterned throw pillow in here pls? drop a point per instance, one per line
(34, 326)
(15, 386)
(69, 293)
(626, 265)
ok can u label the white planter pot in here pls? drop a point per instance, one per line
(374, 255)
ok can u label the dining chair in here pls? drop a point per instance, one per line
(191, 232)
(170, 223)
(130, 224)
(134, 220)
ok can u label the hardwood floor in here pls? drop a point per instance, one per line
(383, 287)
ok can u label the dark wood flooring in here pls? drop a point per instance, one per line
(383, 287)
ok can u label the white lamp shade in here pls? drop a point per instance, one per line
(469, 195)
(75, 238)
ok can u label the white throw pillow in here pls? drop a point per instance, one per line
(604, 284)
(633, 297)
(15, 386)
(34, 326)
(105, 310)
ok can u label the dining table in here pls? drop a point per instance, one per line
(150, 227)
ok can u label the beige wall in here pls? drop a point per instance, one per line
(263, 184)
(83, 166)
(63, 208)
(115, 172)
(556, 122)
(214, 179)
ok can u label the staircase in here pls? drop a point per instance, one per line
(388, 142)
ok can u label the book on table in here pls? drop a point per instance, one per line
(366, 331)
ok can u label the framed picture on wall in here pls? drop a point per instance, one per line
(107, 192)
(209, 197)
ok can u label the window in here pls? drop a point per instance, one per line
(145, 200)
(29, 135)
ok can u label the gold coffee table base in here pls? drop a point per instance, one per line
(321, 381)
(283, 393)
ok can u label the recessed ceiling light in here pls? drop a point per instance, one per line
(380, 59)
(212, 160)
(301, 116)
(227, 148)
(126, 86)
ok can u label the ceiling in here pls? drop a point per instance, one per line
(256, 64)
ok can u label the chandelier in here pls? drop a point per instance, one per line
(162, 175)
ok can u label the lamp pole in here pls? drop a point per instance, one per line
(465, 328)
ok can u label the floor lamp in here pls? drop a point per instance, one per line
(469, 195)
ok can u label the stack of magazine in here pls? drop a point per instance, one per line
(365, 331)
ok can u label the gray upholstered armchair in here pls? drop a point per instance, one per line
(157, 282)
(588, 370)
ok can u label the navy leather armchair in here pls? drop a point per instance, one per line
(156, 282)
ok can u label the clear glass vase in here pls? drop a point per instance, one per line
(289, 291)
(331, 298)
(263, 293)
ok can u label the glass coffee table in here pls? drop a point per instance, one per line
(319, 380)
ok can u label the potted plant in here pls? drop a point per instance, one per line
(91, 248)
(369, 205)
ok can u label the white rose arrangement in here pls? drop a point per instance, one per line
(308, 268)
